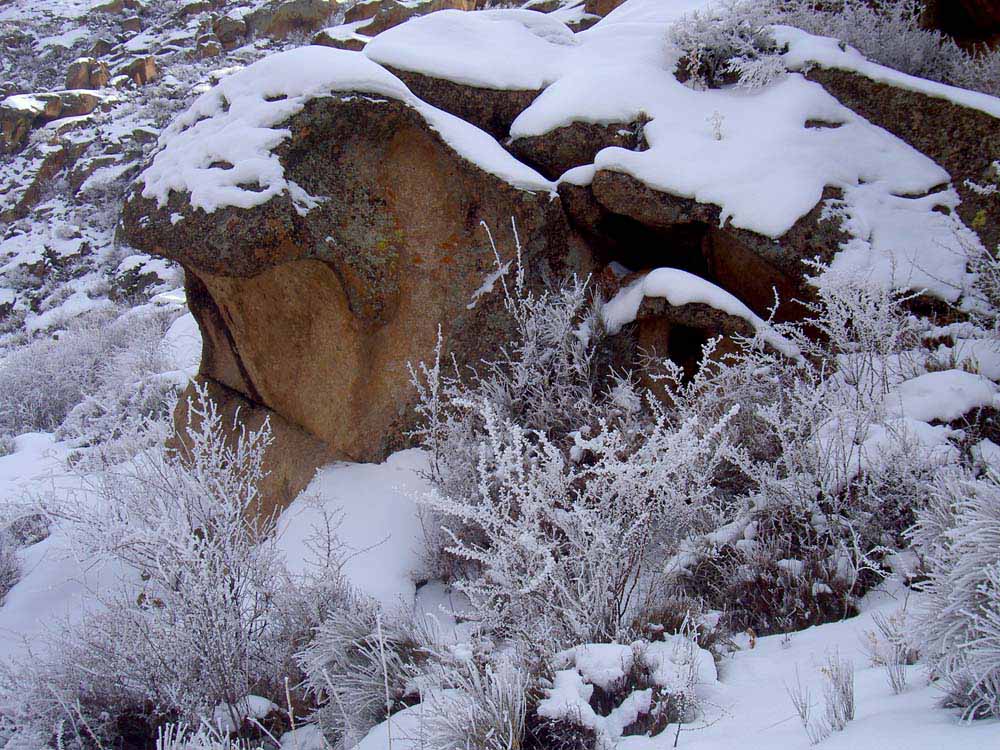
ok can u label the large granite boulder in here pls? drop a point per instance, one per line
(315, 313)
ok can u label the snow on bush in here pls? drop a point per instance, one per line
(558, 483)
(958, 535)
(827, 472)
(725, 42)
(479, 707)
(731, 41)
(203, 612)
(95, 373)
(359, 668)
(613, 690)
(889, 32)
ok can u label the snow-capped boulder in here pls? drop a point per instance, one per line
(330, 223)
(966, 146)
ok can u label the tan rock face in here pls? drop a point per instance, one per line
(316, 317)
(87, 73)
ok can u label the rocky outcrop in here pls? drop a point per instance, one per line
(966, 147)
(316, 316)
(641, 228)
(20, 114)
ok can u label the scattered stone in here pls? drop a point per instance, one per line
(118, 6)
(133, 23)
(194, 8)
(283, 17)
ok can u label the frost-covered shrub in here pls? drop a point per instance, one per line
(958, 534)
(615, 690)
(728, 42)
(93, 372)
(479, 707)
(826, 479)
(10, 565)
(889, 32)
(557, 488)
(359, 668)
(731, 42)
(203, 613)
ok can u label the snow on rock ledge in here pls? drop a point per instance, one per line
(682, 288)
(221, 150)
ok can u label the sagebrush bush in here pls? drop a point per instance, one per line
(98, 371)
(824, 480)
(731, 41)
(359, 667)
(203, 612)
(557, 487)
(958, 535)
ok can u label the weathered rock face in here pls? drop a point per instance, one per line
(317, 316)
(966, 147)
(559, 150)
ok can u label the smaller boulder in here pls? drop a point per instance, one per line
(87, 73)
(117, 6)
(141, 71)
(101, 47)
(230, 31)
(208, 48)
(133, 23)
(341, 37)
